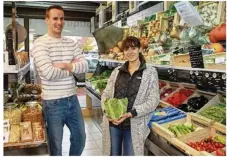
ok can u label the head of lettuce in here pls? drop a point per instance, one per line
(114, 108)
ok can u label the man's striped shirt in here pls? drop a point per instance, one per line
(57, 83)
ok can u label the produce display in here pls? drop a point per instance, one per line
(154, 28)
(208, 13)
(37, 130)
(32, 114)
(165, 115)
(98, 83)
(31, 89)
(208, 145)
(183, 129)
(21, 113)
(161, 84)
(216, 113)
(218, 33)
(114, 108)
(193, 104)
(220, 139)
(14, 135)
(26, 131)
(177, 98)
(170, 24)
(166, 92)
(12, 113)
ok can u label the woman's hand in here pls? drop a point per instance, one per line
(122, 118)
(111, 120)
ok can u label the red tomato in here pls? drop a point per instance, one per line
(220, 152)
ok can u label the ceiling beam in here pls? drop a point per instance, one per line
(38, 13)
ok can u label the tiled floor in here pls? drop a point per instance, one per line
(93, 144)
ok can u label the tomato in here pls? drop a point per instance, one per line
(221, 145)
(220, 152)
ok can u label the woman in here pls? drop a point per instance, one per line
(139, 83)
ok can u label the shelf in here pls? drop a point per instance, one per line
(111, 60)
(25, 144)
(92, 93)
(25, 68)
(169, 66)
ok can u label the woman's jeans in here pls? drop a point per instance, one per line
(121, 140)
(59, 112)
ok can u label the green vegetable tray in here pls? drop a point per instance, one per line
(192, 118)
(215, 109)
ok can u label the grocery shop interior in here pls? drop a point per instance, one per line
(184, 41)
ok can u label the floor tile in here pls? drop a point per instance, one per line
(93, 130)
(97, 136)
(65, 153)
(89, 137)
(92, 152)
(91, 145)
(66, 140)
(65, 147)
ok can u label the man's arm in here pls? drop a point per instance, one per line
(44, 64)
(79, 63)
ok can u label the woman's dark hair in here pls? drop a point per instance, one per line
(132, 41)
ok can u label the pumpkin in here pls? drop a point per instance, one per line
(218, 33)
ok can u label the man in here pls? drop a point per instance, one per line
(56, 59)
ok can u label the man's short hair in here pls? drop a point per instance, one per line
(53, 7)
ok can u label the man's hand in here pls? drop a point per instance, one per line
(64, 66)
(122, 118)
(59, 65)
(75, 60)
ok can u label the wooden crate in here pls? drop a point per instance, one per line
(163, 23)
(221, 16)
(214, 101)
(160, 15)
(209, 61)
(195, 119)
(207, 95)
(182, 60)
(181, 142)
(162, 59)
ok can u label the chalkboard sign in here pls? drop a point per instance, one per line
(183, 76)
(164, 74)
(196, 56)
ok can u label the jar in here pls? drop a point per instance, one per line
(13, 113)
(33, 113)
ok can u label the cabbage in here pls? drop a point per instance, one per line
(114, 108)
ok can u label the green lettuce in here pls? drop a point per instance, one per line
(114, 108)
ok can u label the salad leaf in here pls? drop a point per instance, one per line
(114, 107)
